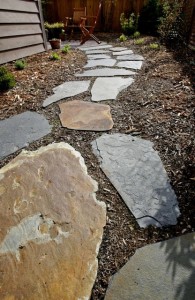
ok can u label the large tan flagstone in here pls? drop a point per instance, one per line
(51, 226)
(82, 115)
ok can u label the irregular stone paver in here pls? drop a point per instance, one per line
(130, 57)
(136, 171)
(118, 49)
(104, 72)
(18, 131)
(105, 46)
(51, 226)
(109, 88)
(109, 62)
(101, 51)
(67, 89)
(130, 64)
(125, 52)
(98, 56)
(160, 271)
(85, 116)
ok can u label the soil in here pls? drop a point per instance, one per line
(159, 107)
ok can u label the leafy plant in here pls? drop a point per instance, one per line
(54, 29)
(20, 64)
(55, 56)
(139, 41)
(129, 24)
(7, 80)
(136, 35)
(154, 46)
(66, 49)
(122, 38)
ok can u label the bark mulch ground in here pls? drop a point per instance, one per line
(159, 106)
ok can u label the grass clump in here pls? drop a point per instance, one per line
(139, 42)
(55, 56)
(20, 64)
(66, 49)
(154, 46)
(136, 35)
(7, 80)
(122, 38)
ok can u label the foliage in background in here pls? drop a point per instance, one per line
(54, 29)
(55, 56)
(7, 80)
(129, 24)
(122, 38)
(66, 49)
(20, 64)
(154, 46)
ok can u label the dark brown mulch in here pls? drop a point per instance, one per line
(159, 106)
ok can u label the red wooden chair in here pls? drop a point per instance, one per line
(87, 30)
(74, 21)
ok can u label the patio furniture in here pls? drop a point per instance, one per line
(74, 21)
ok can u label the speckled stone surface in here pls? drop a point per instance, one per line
(125, 52)
(130, 57)
(105, 72)
(108, 62)
(136, 65)
(136, 171)
(98, 56)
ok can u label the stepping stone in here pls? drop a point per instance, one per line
(160, 271)
(105, 46)
(101, 51)
(118, 49)
(109, 62)
(67, 89)
(130, 57)
(125, 52)
(18, 131)
(81, 115)
(136, 171)
(98, 56)
(108, 88)
(51, 225)
(130, 64)
(105, 72)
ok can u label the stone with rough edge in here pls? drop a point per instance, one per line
(130, 57)
(82, 115)
(101, 51)
(162, 271)
(105, 46)
(108, 88)
(18, 131)
(97, 56)
(136, 171)
(118, 49)
(109, 62)
(51, 226)
(67, 89)
(125, 52)
(136, 65)
(105, 72)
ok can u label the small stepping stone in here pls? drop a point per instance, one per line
(50, 219)
(109, 62)
(136, 171)
(101, 51)
(98, 56)
(18, 131)
(130, 57)
(81, 115)
(95, 47)
(118, 49)
(105, 72)
(67, 89)
(160, 271)
(130, 64)
(123, 52)
(109, 88)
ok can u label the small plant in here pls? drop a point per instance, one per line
(154, 46)
(7, 80)
(139, 41)
(129, 24)
(136, 35)
(20, 64)
(66, 49)
(55, 56)
(122, 38)
(54, 29)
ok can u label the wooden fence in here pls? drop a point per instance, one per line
(21, 29)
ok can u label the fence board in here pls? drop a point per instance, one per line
(10, 30)
(18, 5)
(20, 41)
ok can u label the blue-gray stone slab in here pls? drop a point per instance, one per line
(136, 65)
(101, 51)
(104, 46)
(136, 171)
(109, 62)
(18, 131)
(105, 72)
(98, 56)
(162, 271)
(130, 57)
(125, 52)
(118, 49)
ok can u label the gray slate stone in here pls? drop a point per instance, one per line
(130, 57)
(108, 88)
(98, 56)
(67, 89)
(109, 62)
(18, 131)
(118, 49)
(125, 52)
(162, 271)
(136, 171)
(130, 64)
(101, 51)
(104, 46)
(105, 72)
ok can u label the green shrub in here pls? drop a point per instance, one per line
(20, 64)
(122, 38)
(154, 46)
(54, 29)
(136, 35)
(66, 49)
(129, 24)
(139, 41)
(55, 56)
(7, 80)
